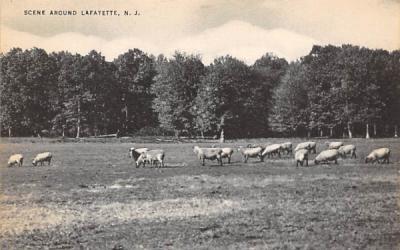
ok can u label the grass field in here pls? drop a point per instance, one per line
(92, 196)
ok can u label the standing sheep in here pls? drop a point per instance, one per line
(251, 153)
(209, 154)
(327, 155)
(348, 150)
(226, 153)
(135, 152)
(335, 145)
(15, 159)
(41, 158)
(270, 150)
(301, 156)
(287, 147)
(153, 157)
(310, 145)
(378, 154)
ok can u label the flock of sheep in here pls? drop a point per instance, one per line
(301, 155)
(155, 157)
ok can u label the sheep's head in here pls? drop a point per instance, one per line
(368, 159)
(34, 162)
(316, 162)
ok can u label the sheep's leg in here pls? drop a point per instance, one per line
(245, 158)
(229, 159)
(203, 162)
(336, 161)
(307, 162)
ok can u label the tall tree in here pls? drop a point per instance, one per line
(290, 111)
(175, 90)
(228, 99)
(135, 72)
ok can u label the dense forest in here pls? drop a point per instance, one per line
(333, 91)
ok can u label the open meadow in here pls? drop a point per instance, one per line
(92, 196)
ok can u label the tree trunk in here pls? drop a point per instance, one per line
(9, 131)
(78, 122)
(221, 137)
(331, 132)
(126, 117)
(349, 130)
(395, 131)
(367, 131)
(202, 134)
(374, 129)
(308, 133)
(63, 132)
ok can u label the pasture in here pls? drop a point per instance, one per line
(92, 196)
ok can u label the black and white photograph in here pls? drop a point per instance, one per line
(204, 124)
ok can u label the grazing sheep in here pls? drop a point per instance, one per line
(301, 156)
(327, 155)
(136, 152)
(348, 150)
(15, 159)
(270, 150)
(153, 157)
(378, 154)
(335, 145)
(310, 145)
(41, 158)
(226, 153)
(208, 153)
(287, 147)
(251, 153)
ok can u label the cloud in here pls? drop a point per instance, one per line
(72, 42)
(371, 23)
(237, 38)
(246, 42)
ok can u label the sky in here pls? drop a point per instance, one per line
(211, 28)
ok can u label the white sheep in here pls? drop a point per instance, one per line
(287, 147)
(135, 152)
(270, 150)
(41, 158)
(348, 150)
(251, 153)
(153, 157)
(15, 159)
(327, 155)
(208, 154)
(301, 156)
(335, 144)
(378, 154)
(310, 145)
(226, 153)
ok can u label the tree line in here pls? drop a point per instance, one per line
(329, 92)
